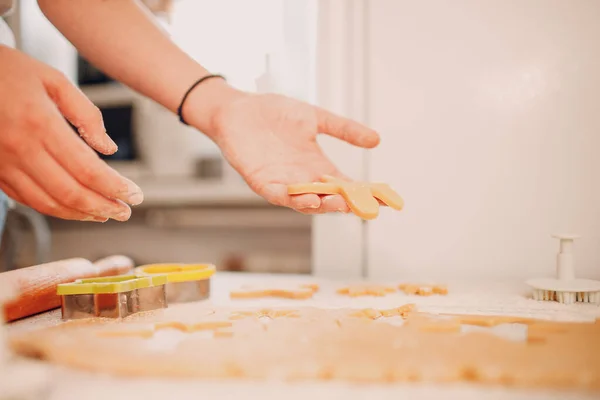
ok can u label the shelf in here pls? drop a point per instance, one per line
(109, 94)
(194, 192)
(134, 170)
(229, 218)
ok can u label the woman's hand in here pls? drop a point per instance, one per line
(43, 163)
(271, 140)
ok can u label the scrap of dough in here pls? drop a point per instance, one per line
(366, 290)
(402, 311)
(148, 332)
(290, 291)
(423, 290)
(372, 313)
(362, 197)
(265, 313)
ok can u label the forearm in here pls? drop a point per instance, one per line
(121, 38)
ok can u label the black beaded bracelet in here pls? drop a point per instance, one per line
(185, 96)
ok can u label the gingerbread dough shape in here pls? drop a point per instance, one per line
(315, 346)
(371, 313)
(362, 198)
(423, 290)
(284, 291)
(366, 290)
(265, 313)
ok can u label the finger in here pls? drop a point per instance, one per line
(24, 190)
(334, 203)
(310, 201)
(346, 129)
(331, 203)
(87, 168)
(80, 112)
(69, 193)
(10, 192)
(277, 194)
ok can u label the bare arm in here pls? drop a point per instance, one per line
(271, 140)
(121, 38)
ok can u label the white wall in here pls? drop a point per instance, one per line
(490, 117)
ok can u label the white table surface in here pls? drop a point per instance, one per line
(502, 298)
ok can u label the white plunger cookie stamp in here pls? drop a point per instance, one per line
(565, 288)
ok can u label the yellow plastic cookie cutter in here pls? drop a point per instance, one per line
(109, 284)
(112, 296)
(177, 272)
(185, 282)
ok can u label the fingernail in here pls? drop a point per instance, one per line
(313, 206)
(113, 146)
(122, 216)
(94, 219)
(134, 194)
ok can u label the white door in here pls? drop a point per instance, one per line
(490, 117)
(338, 241)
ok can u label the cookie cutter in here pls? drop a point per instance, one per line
(185, 282)
(112, 296)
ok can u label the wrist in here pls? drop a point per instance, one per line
(206, 102)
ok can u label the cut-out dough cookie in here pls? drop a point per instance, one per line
(265, 313)
(372, 313)
(125, 331)
(285, 291)
(366, 290)
(423, 290)
(362, 197)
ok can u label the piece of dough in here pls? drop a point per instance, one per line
(366, 290)
(362, 198)
(372, 313)
(423, 290)
(285, 291)
(265, 313)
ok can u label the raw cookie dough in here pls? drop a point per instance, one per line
(265, 313)
(363, 198)
(366, 290)
(285, 291)
(333, 344)
(372, 313)
(423, 290)
(149, 331)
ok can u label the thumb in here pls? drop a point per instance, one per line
(80, 112)
(346, 129)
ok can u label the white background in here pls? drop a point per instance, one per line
(490, 121)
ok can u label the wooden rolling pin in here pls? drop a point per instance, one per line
(34, 288)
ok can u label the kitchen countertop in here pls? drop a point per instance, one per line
(501, 298)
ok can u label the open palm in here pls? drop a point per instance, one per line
(271, 140)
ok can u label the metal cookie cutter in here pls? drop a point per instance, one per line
(112, 296)
(185, 282)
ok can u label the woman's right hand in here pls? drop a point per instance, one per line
(43, 163)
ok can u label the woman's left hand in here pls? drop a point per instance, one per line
(271, 140)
